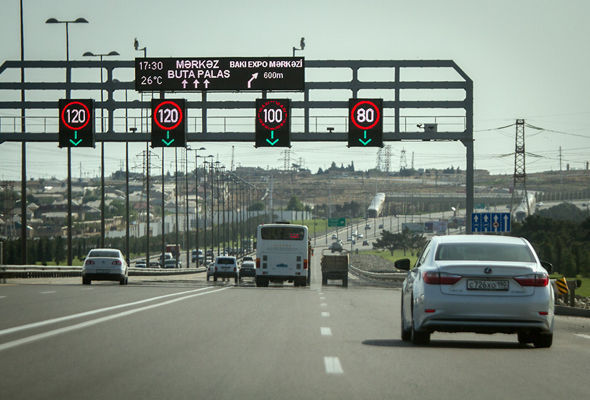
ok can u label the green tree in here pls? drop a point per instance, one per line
(389, 241)
(295, 204)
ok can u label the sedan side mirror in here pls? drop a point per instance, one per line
(403, 264)
(548, 266)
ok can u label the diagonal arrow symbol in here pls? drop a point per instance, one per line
(75, 137)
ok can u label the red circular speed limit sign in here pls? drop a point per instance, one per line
(272, 115)
(75, 115)
(168, 115)
(365, 115)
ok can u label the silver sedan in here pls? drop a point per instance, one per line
(477, 283)
(105, 265)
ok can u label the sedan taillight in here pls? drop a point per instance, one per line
(89, 262)
(440, 278)
(117, 262)
(536, 280)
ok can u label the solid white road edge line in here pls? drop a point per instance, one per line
(86, 313)
(332, 365)
(44, 335)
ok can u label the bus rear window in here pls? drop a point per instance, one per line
(282, 233)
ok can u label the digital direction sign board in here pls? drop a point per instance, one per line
(168, 123)
(273, 123)
(223, 74)
(76, 123)
(365, 123)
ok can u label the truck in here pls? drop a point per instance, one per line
(335, 266)
(174, 249)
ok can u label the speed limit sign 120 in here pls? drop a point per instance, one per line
(76, 123)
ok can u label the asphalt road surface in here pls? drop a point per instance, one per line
(184, 338)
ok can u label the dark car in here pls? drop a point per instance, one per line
(248, 269)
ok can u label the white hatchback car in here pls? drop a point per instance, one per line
(477, 283)
(105, 265)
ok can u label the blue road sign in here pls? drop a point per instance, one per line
(490, 222)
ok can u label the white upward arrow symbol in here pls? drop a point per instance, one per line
(196, 82)
(184, 82)
(206, 83)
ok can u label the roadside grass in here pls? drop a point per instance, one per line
(583, 290)
(397, 254)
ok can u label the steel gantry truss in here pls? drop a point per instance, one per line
(320, 112)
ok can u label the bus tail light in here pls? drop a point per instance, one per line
(258, 263)
(305, 263)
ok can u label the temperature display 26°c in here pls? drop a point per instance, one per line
(76, 123)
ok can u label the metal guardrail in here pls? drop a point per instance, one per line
(385, 276)
(42, 271)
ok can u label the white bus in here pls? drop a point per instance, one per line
(283, 254)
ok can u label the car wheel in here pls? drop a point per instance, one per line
(543, 340)
(418, 337)
(236, 279)
(406, 332)
(324, 279)
(122, 281)
(85, 281)
(345, 282)
(207, 278)
(214, 278)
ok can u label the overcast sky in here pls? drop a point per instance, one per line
(527, 59)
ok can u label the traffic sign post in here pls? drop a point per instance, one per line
(365, 124)
(76, 123)
(336, 221)
(273, 123)
(490, 222)
(168, 123)
(221, 73)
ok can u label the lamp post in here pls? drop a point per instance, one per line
(196, 201)
(147, 169)
(68, 79)
(102, 212)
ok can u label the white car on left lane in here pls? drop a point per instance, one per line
(105, 265)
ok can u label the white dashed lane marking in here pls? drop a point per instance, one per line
(2, 297)
(322, 298)
(324, 305)
(49, 292)
(583, 336)
(325, 314)
(332, 365)
(326, 331)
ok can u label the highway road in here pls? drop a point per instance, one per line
(184, 338)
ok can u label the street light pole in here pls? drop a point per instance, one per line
(102, 202)
(68, 79)
(147, 169)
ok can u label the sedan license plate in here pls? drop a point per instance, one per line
(485, 284)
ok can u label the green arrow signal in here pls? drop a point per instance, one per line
(75, 137)
(167, 142)
(363, 141)
(272, 136)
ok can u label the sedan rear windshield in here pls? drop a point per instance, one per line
(226, 261)
(103, 253)
(483, 252)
